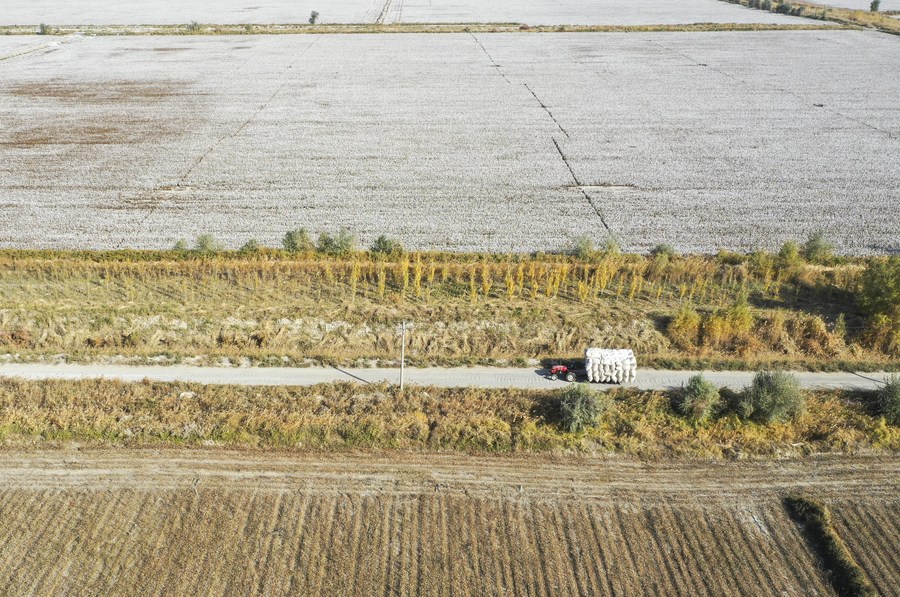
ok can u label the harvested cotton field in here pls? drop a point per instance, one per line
(532, 12)
(177, 522)
(507, 142)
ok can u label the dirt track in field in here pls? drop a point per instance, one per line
(231, 523)
(504, 477)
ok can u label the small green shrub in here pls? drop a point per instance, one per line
(698, 400)
(193, 27)
(207, 245)
(580, 406)
(875, 5)
(816, 249)
(44, 29)
(297, 241)
(684, 329)
(880, 287)
(313, 17)
(789, 255)
(612, 246)
(250, 247)
(180, 245)
(888, 400)
(583, 248)
(666, 250)
(773, 396)
(387, 246)
(730, 257)
(343, 243)
(784, 8)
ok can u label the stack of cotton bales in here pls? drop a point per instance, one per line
(605, 365)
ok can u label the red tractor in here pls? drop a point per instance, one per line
(561, 371)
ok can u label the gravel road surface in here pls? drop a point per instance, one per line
(486, 377)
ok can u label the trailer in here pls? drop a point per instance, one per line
(610, 365)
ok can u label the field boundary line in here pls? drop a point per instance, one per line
(590, 201)
(547, 110)
(385, 8)
(491, 58)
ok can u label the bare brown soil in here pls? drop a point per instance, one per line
(112, 91)
(234, 523)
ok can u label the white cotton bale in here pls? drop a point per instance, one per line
(606, 365)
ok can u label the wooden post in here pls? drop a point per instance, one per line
(402, 352)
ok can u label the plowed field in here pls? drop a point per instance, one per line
(210, 522)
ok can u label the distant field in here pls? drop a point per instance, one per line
(453, 141)
(225, 523)
(860, 4)
(532, 12)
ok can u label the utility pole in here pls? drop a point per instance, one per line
(402, 351)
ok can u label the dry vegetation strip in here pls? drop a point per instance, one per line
(299, 29)
(349, 416)
(870, 534)
(845, 574)
(729, 311)
(844, 16)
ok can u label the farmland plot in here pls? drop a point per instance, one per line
(533, 12)
(512, 142)
(179, 522)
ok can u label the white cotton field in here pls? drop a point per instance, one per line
(700, 140)
(532, 12)
(579, 12)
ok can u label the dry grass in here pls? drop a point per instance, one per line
(349, 416)
(292, 29)
(272, 310)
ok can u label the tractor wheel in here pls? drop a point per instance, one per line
(554, 377)
(570, 376)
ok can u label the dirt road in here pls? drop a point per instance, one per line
(409, 474)
(486, 377)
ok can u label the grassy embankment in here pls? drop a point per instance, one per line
(301, 29)
(348, 416)
(272, 308)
